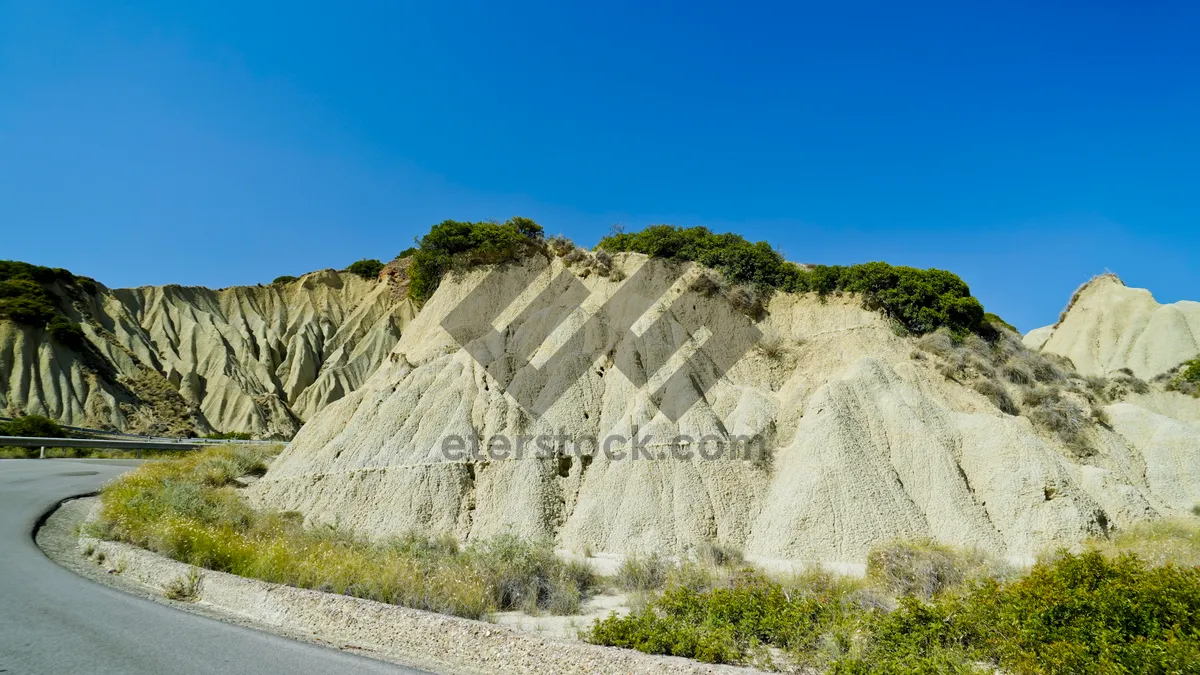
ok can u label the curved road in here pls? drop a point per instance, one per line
(53, 621)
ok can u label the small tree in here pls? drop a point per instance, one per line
(33, 425)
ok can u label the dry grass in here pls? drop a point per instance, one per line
(925, 569)
(189, 510)
(184, 589)
(1174, 541)
(643, 573)
(997, 395)
(559, 245)
(1042, 387)
(715, 554)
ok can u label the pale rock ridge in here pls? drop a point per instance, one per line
(256, 359)
(1109, 326)
(868, 443)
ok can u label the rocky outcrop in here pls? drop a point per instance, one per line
(867, 442)
(1109, 326)
(173, 359)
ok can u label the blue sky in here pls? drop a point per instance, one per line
(1025, 146)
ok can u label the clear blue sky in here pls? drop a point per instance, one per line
(1023, 145)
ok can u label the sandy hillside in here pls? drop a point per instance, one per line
(1109, 326)
(172, 359)
(873, 435)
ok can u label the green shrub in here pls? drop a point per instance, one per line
(230, 436)
(1190, 372)
(1072, 614)
(407, 253)
(287, 279)
(33, 425)
(24, 299)
(919, 300)
(26, 302)
(728, 624)
(997, 321)
(367, 269)
(1089, 614)
(13, 269)
(451, 244)
(66, 333)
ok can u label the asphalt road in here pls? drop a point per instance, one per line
(53, 621)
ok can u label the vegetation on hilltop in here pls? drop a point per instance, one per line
(919, 300)
(452, 243)
(367, 269)
(25, 298)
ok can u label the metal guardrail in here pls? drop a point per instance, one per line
(101, 433)
(38, 442)
(143, 443)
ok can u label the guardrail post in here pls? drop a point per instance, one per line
(43, 455)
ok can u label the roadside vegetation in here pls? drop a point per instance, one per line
(925, 608)
(1129, 604)
(190, 510)
(32, 426)
(230, 436)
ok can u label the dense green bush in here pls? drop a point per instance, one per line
(452, 243)
(285, 279)
(14, 269)
(727, 624)
(367, 269)
(33, 425)
(230, 436)
(1089, 614)
(1191, 372)
(1074, 614)
(24, 298)
(740, 260)
(919, 300)
(997, 321)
